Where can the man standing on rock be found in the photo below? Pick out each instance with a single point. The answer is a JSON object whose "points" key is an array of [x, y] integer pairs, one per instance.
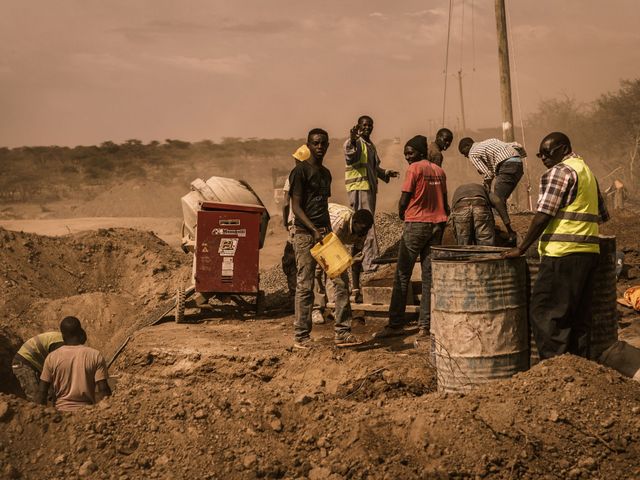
{"points": [[570, 206], [28, 362], [74, 370], [494, 158], [310, 184], [444, 137], [423, 207], [361, 177]]}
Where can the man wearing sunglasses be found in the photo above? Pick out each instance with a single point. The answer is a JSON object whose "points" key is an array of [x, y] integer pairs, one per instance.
{"points": [[570, 206]]}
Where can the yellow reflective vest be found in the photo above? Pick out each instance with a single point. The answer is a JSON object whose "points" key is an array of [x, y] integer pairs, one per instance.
{"points": [[355, 175], [575, 228], [36, 349]]}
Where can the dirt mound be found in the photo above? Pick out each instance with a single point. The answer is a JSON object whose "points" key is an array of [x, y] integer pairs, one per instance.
{"points": [[233, 418], [110, 279], [132, 199]]}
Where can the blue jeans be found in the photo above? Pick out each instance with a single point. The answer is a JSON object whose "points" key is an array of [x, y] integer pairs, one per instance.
{"points": [[417, 239]]}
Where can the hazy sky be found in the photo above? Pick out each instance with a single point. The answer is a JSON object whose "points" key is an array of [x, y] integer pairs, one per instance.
{"points": [[85, 71]]}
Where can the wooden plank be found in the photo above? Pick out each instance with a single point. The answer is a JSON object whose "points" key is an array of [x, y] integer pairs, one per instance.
{"points": [[369, 307]]}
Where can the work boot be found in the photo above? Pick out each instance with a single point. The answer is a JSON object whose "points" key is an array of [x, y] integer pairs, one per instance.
{"points": [[303, 344], [346, 340], [317, 318], [356, 296], [388, 331]]}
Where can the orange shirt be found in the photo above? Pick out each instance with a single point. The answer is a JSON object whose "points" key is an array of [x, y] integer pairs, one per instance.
{"points": [[74, 370], [427, 184]]}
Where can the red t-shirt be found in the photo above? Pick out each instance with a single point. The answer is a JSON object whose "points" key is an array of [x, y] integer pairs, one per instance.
{"points": [[427, 183]]}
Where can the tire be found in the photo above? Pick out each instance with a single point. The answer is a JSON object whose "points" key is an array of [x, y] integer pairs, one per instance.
{"points": [[180, 298], [260, 301]]}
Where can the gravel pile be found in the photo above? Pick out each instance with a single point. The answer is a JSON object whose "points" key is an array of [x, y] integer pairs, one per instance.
{"points": [[389, 231]]}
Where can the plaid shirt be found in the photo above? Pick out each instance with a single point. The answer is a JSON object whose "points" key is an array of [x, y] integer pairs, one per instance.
{"points": [[488, 154], [559, 187]]}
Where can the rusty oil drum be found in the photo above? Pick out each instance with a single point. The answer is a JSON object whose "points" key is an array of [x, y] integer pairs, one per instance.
{"points": [[479, 316]]}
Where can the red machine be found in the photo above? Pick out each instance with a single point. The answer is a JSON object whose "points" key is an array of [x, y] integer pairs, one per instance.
{"points": [[227, 248], [226, 262]]}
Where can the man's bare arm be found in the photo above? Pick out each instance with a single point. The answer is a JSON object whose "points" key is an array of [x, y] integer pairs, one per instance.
{"points": [[405, 198], [302, 216], [104, 390], [43, 390]]}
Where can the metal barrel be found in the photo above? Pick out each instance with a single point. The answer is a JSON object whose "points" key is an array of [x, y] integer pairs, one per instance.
{"points": [[478, 320], [533, 266], [464, 252], [604, 323]]}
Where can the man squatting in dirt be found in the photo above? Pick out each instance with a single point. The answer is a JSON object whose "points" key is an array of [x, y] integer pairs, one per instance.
{"points": [[423, 206], [29, 360], [362, 172], [74, 370], [289, 257], [351, 228], [569, 208], [494, 158], [310, 184]]}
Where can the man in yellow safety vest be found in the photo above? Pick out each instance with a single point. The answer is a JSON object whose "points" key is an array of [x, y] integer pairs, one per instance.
{"points": [[361, 178], [570, 206]]}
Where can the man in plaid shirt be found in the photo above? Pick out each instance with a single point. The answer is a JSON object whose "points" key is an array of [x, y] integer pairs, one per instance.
{"points": [[570, 206], [494, 158]]}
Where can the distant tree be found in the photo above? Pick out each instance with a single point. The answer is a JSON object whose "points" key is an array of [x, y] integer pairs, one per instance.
{"points": [[177, 143], [617, 117], [109, 146]]}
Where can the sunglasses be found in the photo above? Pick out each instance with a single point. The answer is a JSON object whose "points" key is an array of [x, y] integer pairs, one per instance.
{"points": [[549, 154]]}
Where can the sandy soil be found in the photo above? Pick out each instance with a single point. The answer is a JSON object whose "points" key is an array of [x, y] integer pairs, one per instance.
{"points": [[229, 398]]}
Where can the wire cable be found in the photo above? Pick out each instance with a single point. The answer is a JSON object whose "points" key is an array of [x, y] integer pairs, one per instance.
{"points": [[446, 63], [512, 54]]}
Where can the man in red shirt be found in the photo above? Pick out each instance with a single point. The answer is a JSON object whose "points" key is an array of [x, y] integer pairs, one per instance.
{"points": [[423, 207]]}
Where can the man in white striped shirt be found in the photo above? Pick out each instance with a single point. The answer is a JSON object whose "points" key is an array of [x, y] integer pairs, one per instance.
{"points": [[494, 158]]}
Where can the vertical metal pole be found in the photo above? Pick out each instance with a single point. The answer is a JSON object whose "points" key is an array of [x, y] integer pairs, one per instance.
{"points": [[464, 123], [505, 75], [505, 84]]}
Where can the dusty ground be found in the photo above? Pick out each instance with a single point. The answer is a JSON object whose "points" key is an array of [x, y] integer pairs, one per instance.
{"points": [[228, 398]]}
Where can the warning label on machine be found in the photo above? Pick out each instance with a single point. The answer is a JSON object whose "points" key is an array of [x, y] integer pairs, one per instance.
{"points": [[227, 267], [238, 232], [228, 247]]}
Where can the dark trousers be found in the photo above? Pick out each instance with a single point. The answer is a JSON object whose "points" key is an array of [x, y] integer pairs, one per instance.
{"points": [[507, 178], [417, 239], [560, 309], [289, 267]]}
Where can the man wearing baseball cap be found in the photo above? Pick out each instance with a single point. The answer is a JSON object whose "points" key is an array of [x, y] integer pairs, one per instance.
{"points": [[74, 370]]}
